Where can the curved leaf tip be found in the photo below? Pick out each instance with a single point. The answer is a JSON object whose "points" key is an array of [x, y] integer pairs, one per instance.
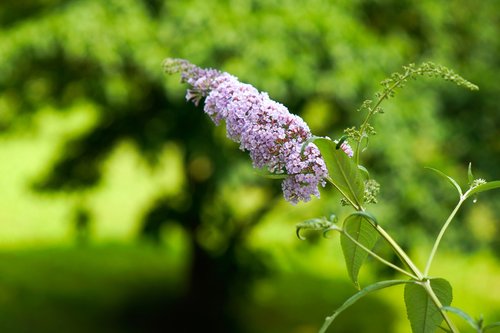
{"points": [[317, 224], [360, 294], [449, 179]]}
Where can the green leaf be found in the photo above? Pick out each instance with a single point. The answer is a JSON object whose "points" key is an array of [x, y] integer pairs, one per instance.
{"points": [[361, 230], [484, 187], [364, 171], [354, 298], [343, 172], [449, 179], [470, 175], [423, 314], [490, 326], [464, 316]]}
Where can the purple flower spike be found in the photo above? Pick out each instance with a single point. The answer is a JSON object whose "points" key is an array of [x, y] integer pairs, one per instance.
{"points": [[272, 135]]}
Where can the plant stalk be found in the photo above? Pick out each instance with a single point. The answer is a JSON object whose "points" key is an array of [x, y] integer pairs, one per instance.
{"points": [[441, 234], [400, 252], [376, 256], [421, 277], [427, 286], [371, 111]]}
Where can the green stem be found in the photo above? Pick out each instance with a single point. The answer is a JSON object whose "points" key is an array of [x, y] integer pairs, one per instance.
{"points": [[353, 204], [385, 95], [441, 234], [427, 286], [416, 272], [376, 256], [400, 252], [421, 277]]}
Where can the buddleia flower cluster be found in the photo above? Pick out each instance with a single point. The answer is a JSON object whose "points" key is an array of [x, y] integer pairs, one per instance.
{"points": [[265, 128]]}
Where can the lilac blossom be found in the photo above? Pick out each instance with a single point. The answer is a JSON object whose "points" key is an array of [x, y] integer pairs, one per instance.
{"points": [[273, 136]]}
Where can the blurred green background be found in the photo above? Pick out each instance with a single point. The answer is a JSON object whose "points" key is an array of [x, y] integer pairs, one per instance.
{"points": [[123, 209]]}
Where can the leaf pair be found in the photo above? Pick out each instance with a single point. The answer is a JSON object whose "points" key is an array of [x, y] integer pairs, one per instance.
{"points": [[424, 299]]}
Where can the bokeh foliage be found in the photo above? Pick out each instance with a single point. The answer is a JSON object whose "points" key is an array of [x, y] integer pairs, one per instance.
{"points": [[320, 58]]}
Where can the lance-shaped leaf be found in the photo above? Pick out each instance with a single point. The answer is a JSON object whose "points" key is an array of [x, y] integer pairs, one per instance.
{"points": [[470, 176], [360, 294], [464, 315], [484, 187], [422, 312], [343, 172], [357, 230], [449, 179]]}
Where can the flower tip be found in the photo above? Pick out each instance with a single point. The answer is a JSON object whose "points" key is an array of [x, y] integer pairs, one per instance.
{"points": [[347, 149]]}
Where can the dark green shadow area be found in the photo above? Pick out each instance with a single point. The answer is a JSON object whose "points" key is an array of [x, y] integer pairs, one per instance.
{"points": [[138, 288], [112, 288]]}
